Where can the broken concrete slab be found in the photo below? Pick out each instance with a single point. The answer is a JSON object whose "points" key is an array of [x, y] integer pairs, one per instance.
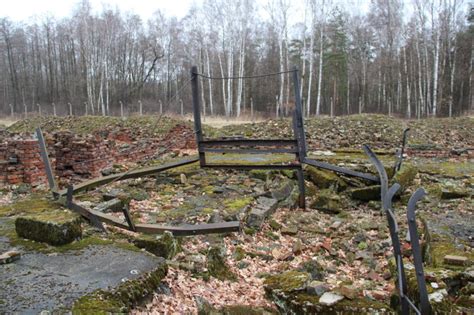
{"points": [[164, 245], [327, 201], [263, 208], [366, 193], [9, 257], [112, 205], [50, 229], [330, 298], [456, 260]]}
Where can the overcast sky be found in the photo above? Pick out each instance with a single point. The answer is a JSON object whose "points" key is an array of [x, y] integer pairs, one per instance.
{"points": [[22, 10]]}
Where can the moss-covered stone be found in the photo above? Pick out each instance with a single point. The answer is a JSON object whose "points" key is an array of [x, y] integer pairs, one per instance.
{"points": [[327, 201], [405, 176], [325, 179], [216, 264], [260, 174], [164, 245], [288, 281], [49, 230], [122, 298], [366, 193]]}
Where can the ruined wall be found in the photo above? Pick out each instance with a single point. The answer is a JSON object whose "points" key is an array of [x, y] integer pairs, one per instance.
{"points": [[84, 156], [29, 169]]}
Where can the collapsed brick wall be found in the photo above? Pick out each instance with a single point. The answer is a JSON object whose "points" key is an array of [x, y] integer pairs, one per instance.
{"points": [[84, 156], [30, 167]]}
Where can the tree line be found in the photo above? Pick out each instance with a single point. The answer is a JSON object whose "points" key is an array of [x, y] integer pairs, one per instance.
{"points": [[411, 58]]}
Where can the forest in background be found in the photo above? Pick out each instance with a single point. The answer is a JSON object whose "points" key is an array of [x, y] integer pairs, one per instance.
{"points": [[409, 58]]}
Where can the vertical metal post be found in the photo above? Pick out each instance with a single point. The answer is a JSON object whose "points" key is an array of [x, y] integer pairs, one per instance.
{"points": [[398, 163], [126, 213], [425, 306], [197, 114], [47, 163], [299, 131]]}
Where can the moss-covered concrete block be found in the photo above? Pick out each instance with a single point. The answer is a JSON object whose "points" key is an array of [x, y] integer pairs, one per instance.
{"points": [[55, 228], [327, 201], [216, 264], [405, 177], [366, 193], [325, 179], [122, 298], [165, 245]]}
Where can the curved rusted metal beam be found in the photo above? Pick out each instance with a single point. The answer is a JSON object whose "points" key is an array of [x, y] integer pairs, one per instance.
{"points": [[425, 306]]}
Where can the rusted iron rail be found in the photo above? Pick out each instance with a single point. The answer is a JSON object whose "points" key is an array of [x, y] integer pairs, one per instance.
{"points": [[146, 171], [386, 196]]}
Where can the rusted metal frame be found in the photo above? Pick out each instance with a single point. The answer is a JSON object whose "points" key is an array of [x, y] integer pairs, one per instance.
{"points": [[298, 117], [183, 230], [298, 132], [386, 198], [126, 175], [398, 163], [249, 151], [186, 230], [249, 142], [82, 211], [342, 170], [255, 166], [197, 114], [425, 307], [128, 218], [47, 164]]}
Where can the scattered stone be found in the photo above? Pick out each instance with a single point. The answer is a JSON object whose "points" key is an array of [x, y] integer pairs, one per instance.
{"points": [[437, 296], [405, 177], [325, 179], [336, 225], [289, 230], [9, 257], [329, 298], [317, 288], [348, 291], [327, 201], [366, 193], [112, 194], [288, 281], [434, 285], [216, 264], [297, 247], [164, 245], [283, 191], [456, 260], [112, 205], [274, 225], [453, 192], [264, 207], [183, 179], [314, 269]]}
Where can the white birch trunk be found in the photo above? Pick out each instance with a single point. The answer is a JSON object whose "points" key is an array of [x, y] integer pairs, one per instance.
{"points": [[435, 74], [211, 104], [321, 56]]}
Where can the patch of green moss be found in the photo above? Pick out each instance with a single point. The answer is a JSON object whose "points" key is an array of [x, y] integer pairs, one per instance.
{"points": [[405, 176], [235, 205], [441, 246], [288, 281], [44, 230], [366, 193], [122, 298], [33, 205]]}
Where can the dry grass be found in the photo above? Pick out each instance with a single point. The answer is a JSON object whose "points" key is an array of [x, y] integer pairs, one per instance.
{"points": [[8, 121], [220, 121]]}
